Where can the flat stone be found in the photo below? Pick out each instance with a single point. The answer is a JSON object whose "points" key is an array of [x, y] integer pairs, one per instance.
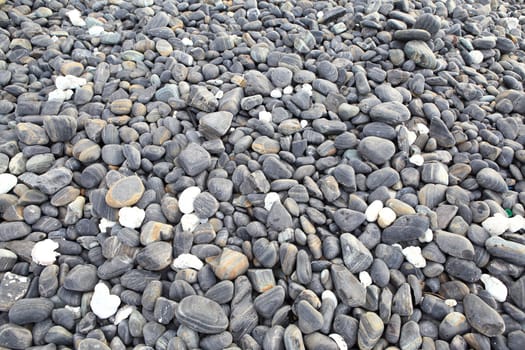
{"points": [[125, 192], [406, 228], [15, 337], [392, 113], [370, 330], [30, 310], [419, 52], [348, 220], [512, 252], [215, 125], [229, 264], [376, 150], [12, 288], [482, 317], [194, 159], [202, 315]]}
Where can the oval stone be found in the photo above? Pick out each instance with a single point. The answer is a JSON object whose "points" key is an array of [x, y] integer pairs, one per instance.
{"points": [[202, 315], [125, 192]]}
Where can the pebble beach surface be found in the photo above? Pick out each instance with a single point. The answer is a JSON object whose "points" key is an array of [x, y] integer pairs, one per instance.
{"points": [[262, 174]]}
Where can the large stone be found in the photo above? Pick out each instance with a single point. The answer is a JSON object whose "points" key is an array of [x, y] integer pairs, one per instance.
{"points": [[202, 315]]}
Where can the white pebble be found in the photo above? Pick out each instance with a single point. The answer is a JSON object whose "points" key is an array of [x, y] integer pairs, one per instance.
{"points": [[103, 304], [422, 128], [476, 56], [7, 182], [219, 94], [96, 31], [414, 256], [189, 222], [412, 136], [417, 159], [187, 42], [131, 217], [76, 18], [69, 82], [265, 116], [427, 237], [60, 95], [270, 199], [186, 199], [365, 279], [187, 261], [495, 287], [451, 302], [516, 223], [105, 224], [339, 340], [43, 252], [329, 295], [123, 313], [372, 212], [276, 93], [288, 90], [304, 123], [386, 217], [496, 225]]}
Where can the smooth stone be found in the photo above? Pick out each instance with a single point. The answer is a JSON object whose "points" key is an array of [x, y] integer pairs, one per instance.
{"points": [[356, 256], [229, 264], [507, 250], [30, 310], [482, 317], [13, 230], [60, 128], [265, 145], [465, 270], [347, 287], [205, 205], [319, 341], [391, 113], [279, 218], [406, 228], [194, 159], [490, 179], [348, 220], [103, 304], [453, 324], [31, 134], [155, 256], [370, 330], [215, 125], [310, 320], [293, 338], [121, 106], [410, 338], [376, 150], [54, 180], [15, 337], [419, 52], [454, 244], [202, 315], [82, 278], [125, 192]]}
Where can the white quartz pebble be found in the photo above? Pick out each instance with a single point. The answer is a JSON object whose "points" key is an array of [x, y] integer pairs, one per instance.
{"points": [[495, 287], [60, 95], [105, 224], [96, 31], [186, 199], [43, 252], [131, 217], [476, 56], [69, 82], [123, 313], [417, 159], [451, 302], [427, 237], [187, 42], [75, 17], [7, 182], [516, 223], [276, 93], [386, 217], [189, 222], [288, 90], [372, 212], [270, 199], [339, 340], [265, 116], [496, 225], [103, 304], [414, 256], [365, 279], [187, 261], [304, 123]]}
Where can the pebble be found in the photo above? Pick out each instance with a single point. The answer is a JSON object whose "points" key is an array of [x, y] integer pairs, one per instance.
{"points": [[482, 317], [201, 314], [229, 264], [125, 192], [43, 252], [187, 198], [7, 182], [370, 330], [356, 256], [131, 217], [495, 287], [103, 304], [194, 159]]}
